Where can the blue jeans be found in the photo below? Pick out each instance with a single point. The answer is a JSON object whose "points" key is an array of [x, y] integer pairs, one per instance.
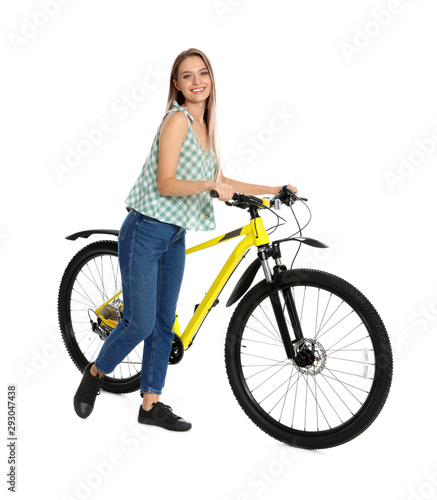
{"points": [[152, 259]]}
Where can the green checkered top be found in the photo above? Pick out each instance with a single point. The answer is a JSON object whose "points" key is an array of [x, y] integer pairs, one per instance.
{"points": [[194, 212]]}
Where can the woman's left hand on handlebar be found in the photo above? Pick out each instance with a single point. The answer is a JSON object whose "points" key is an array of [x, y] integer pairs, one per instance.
{"points": [[290, 187]]}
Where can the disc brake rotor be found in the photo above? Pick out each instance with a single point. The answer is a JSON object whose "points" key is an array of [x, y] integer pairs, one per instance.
{"points": [[314, 351]]}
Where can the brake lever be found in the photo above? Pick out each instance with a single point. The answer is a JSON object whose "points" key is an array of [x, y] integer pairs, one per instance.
{"points": [[285, 191]]}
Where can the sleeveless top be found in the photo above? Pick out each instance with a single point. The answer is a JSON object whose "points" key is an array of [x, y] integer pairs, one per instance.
{"points": [[193, 212]]}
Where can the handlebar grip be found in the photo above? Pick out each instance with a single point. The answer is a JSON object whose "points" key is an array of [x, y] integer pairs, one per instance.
{"points": [[214, 194]]}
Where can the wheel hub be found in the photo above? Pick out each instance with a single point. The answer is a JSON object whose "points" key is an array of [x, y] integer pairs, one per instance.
{"points": [[310, 356]]}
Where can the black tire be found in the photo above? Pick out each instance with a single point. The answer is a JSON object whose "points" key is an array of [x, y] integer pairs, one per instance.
{"points": [[91, 278], [346, 386]]}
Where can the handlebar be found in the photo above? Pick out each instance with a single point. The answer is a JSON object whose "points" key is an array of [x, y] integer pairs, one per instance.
{"points": [[285, 196]]}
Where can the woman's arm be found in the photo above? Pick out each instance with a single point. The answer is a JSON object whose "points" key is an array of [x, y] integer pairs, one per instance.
{"points": [[172, 136], [255, 189]]}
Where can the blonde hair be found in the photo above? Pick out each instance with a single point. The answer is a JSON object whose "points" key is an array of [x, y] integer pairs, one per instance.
{"points": [[210, 116]]}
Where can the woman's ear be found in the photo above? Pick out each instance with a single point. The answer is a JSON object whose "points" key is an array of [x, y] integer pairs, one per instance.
{"points": [[175, 83]]}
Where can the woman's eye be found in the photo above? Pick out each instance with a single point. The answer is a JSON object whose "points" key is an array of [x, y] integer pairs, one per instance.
{"points": [[204, 72], [186, 76]]}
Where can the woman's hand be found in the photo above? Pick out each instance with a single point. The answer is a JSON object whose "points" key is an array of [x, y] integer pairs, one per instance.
{"points": [[225, 191], [290, 187]]}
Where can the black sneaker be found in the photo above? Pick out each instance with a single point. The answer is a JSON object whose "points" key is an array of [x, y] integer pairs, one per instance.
{"points": [[87, 392], [163, 416]]}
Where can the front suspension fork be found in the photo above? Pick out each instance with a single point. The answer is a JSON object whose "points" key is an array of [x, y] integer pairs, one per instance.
{"points": [[273, 288], [282, 322]]}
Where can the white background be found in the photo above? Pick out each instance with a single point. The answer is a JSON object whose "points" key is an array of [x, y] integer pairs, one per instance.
{"points": [[358, 79]]}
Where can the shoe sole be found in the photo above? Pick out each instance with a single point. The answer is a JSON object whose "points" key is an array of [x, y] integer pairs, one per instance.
{"points": [[148, 421]]}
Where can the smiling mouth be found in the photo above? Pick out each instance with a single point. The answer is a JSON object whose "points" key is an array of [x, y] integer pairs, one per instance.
{"points": [[198, 91]]}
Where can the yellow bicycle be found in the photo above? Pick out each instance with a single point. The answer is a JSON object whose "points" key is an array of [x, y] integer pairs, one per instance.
{"points": [[307, 355]]}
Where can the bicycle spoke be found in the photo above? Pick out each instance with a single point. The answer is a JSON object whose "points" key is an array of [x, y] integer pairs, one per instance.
{"points": [[336, 324], [252, 366], [323, 317], [261, 342], [83, 338], [306, 403], [93, 281], [85, 297], [267, 379], [350, 392], [97, 277], [317, 314], [303, 301], [317, 403], [332, 407], [277, 334], [256, 356], [295, 398], [352, 360], [286, 393], [94, 355], [346, 373], [268, 336], [346, 384], [272, 392], [342, 349], [329, 319], [100, 274], [352, 350], [311, 402], [347, 334], [115, 277]]}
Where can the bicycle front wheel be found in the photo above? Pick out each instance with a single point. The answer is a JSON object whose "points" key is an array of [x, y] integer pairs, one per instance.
{"points": [[346, 381]]}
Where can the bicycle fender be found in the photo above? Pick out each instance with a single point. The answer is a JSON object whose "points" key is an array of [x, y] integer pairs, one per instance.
{"points": [[89, 232], [309, 241], [244, 282]]}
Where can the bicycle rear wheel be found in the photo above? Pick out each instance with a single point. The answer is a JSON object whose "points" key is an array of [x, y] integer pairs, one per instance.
{"points": [[91, 278], [340, 392]]}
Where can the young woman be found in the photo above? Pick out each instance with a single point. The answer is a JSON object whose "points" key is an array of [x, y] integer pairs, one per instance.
{"points": [[170, 196]]}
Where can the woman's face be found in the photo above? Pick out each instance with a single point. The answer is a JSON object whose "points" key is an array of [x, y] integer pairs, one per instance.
{"points": [[193, 80]]}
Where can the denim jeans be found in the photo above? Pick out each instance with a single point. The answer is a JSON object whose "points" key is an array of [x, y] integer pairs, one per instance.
{"points": [[152, 259]]}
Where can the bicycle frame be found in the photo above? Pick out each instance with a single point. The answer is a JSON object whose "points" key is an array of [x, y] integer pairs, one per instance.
{"points": [[255, 235]]}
